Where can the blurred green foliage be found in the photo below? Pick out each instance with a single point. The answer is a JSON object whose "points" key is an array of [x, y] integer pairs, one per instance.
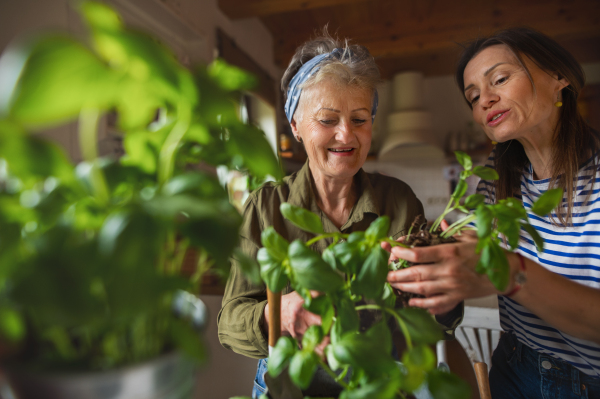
{"points": [[91, 254]]}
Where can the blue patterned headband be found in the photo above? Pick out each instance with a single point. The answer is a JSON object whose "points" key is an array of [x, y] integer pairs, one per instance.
{"points": [[304, 73]]}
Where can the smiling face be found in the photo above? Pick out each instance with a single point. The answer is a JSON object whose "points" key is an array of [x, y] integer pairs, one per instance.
{"points": [[504, 101], [335, 125]]}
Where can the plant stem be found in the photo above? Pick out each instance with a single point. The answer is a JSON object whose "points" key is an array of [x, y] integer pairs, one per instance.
{"points": [[400, 321], [333, 375], [166, 158], [180, 254], [394, 243], [456, 226], [323, 236], [437, 221]]}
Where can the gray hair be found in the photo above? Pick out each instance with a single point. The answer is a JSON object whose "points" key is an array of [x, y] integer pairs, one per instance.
{"points": [[356, 67]]}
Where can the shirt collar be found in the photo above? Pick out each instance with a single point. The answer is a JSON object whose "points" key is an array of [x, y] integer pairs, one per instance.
{"points": [[302, 195]]}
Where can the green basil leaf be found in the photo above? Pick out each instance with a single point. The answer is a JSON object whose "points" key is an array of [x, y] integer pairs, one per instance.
{"points": [[483, 221], [323, 306], [378, 229], [329, 258], [302, 368], [276, 244], [373, 274], [464, 160], [473, 201], [12, 325], [537, 238], [271, 270], [485, 173], [349, 256], [347, 317], [302, 218], [421, 326], [249, 266], [381, 389], [493, 261], [311, 271], [511, 230], [312, 337], [460, 190], [443, 385], [280, 356], [361, 351], [389, 297], [547, 202], [420, 356], [250, 143], [381, 333]]}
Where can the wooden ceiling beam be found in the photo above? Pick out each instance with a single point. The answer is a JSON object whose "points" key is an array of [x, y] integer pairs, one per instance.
{"points": [[237, 9], [412, 29]]}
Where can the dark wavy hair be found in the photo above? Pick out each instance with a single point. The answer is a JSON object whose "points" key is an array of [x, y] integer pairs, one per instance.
{"points": [[574, 139]]}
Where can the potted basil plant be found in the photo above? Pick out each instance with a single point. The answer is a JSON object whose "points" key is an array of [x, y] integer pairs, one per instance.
{"points": [[91, 254], [351, 275]]}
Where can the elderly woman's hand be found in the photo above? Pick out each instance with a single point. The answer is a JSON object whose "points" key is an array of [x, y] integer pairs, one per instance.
{"points": [[295, 319], [445, 274]]}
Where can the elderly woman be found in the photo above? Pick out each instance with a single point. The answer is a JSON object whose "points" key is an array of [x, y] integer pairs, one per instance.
{"points": [[331, 103], [523, 88]]}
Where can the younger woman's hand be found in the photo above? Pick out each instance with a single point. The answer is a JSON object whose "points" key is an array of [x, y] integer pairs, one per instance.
{"points": [[445, 274]]}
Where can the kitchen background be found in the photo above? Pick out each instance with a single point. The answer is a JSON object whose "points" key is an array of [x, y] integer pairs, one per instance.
{"points": [[422, 115]]}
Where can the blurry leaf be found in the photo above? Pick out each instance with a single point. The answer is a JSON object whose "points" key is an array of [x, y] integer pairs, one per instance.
{"points": [[373, 274], [484, 221], [547, 202], [378, 229], [473, 201], [271, 271], [485, 173], [497, 267], [275, 243], [460, 190], [101, 16], [539, 241], [280, 357], [12, 325], [196, 183], [302, 218], [349, 256], [250, 143], [323, 307], [389, 297], [311, 271], [142, 148], [360, 351], [443, 385], [31, 158], [421, 326], [420, 356], [312, 337], [464, 160], [381, 334], [380, 389], [209, 224], [188, 340], [230, 77], [302, 368], [511, 230], [249, 266], [347, 317], [61, 77]]}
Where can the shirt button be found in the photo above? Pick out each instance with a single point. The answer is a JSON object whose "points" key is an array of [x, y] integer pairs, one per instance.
{"points": [[546, 364]]}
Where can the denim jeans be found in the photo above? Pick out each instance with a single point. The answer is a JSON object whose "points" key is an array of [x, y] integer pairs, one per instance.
{"points": [[521, 372], [260, 386]]}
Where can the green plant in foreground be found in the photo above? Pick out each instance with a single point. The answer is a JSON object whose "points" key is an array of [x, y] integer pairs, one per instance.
{"points": [[494, 222], [346, 273], [91, 254], [355, 269]]}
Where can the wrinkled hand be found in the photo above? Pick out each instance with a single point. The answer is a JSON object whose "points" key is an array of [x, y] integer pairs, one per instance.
{"points": [[295, 320], [445, 274]]}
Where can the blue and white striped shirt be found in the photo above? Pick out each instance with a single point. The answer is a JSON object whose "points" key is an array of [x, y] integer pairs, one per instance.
{"points": [[572, 252]]}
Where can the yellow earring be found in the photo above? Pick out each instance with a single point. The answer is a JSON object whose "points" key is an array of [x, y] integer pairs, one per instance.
{"points": [[558, 104]]}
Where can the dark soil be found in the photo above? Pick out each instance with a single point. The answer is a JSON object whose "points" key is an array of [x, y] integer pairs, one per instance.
{"points": [[419, 236]]}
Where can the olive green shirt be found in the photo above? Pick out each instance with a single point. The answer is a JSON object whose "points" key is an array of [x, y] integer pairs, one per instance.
{"points": [[241, 316]]}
